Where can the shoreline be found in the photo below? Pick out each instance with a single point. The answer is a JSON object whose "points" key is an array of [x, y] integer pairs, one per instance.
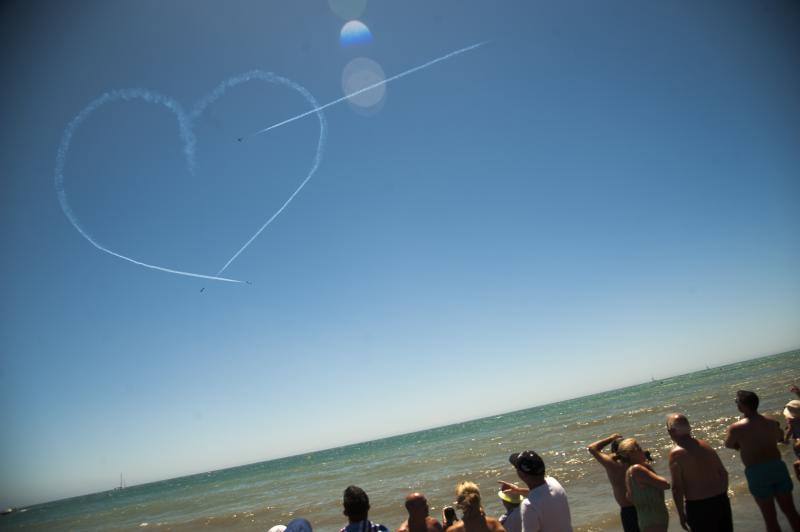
{"points": [[433, 461]]}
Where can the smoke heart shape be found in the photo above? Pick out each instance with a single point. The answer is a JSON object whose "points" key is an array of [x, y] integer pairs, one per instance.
{"points": [[186, 123]]}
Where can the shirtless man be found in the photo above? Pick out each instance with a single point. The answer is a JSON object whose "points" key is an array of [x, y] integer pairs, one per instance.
{"points": [[756, 438], [698, 479], [419, 519], [615, 470]]}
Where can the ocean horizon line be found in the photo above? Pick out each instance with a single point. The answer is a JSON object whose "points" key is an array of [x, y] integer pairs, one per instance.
{"points": [[385, 438]]}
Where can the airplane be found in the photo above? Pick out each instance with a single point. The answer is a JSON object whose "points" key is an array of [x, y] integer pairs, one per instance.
{"points": [[201, 290], [240, 139]]}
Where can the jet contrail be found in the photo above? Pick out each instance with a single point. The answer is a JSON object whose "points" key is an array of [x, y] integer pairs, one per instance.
{"points": [[367, 88]]}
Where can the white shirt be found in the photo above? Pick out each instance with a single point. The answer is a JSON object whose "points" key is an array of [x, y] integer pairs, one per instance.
{"points": [[546, 509]]}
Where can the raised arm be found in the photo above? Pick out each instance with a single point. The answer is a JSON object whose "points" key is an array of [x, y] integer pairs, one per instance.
{"points": [[513, 488], [596, 449]]}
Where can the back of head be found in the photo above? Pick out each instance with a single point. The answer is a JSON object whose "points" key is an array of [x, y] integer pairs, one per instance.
{"points": [[678, 426], [417, 505], [615, 449], [468, 499], [626, 449], [356, 503], [747, 399], [528, 462]]}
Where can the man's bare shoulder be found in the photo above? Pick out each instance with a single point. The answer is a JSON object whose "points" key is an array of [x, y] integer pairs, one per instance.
{"points": [[706, 446], [677, 455], [738, 425], [676, 452]]}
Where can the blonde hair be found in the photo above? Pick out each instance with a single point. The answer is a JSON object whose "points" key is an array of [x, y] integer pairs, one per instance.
{"points": [[468, 498], [626, 448]]}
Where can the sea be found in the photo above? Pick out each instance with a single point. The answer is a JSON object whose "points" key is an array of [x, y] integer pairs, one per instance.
{"points": [[260, 495]]}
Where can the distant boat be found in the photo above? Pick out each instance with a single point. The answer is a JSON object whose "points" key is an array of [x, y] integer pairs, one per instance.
{"points": [[121, 483]]}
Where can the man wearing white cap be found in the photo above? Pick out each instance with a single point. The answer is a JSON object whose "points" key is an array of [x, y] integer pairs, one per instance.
{"points": [[699, 480]]}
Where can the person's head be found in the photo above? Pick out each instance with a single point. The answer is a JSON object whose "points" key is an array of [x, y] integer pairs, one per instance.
{"points": [[509, 500], [630, 452], [468, 499], [615, 449], [356, 504], [529, 466], [678, 427], [747, 402], [417, 506], [792, 410]]}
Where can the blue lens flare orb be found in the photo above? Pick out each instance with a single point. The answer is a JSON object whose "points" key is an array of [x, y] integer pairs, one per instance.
{"points": [[354, 33]]}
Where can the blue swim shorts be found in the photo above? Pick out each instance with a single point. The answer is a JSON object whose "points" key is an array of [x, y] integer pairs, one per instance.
{"points": [[768, 479]]}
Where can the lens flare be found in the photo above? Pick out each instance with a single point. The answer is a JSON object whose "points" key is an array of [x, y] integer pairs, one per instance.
{"points": [[359, 73], [354, 33]]}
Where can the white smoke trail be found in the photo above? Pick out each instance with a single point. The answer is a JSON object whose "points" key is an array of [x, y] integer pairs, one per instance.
{"points": [[370, 87], [188, 140], [185, 126]]}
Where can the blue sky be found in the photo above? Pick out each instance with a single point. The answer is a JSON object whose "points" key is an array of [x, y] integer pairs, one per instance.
{"points": [[600, 194]]}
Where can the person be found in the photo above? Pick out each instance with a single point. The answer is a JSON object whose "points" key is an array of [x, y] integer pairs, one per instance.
{"points": [[792, 415], [699, 480], [756, 438], [545, 507], [419, 519], [356, 508], [473, 518], [511, 519], [615, 471], [644, 488], [449, 517]]}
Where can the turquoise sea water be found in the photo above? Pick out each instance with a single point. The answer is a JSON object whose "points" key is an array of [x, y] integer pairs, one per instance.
{"points": [[257, 496]]}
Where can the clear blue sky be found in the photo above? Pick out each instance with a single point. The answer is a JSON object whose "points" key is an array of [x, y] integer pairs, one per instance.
{"points": [[604, 192]]}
